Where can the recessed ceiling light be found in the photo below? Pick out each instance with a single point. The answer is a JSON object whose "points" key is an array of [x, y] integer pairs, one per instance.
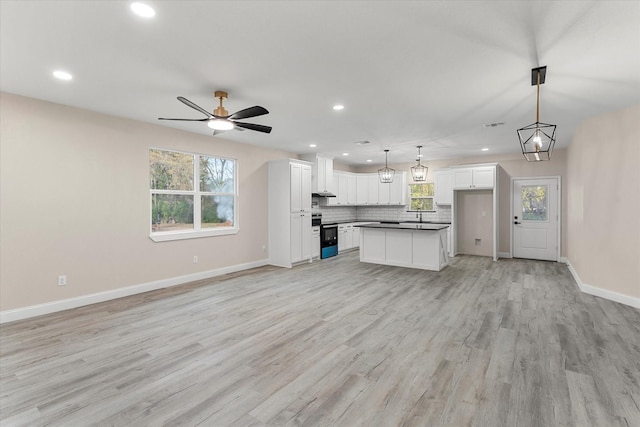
{"points": [[345, 154], [312, 145], [369, 160], [338, 107], [143, 10], [485, 149], [62, 75]]}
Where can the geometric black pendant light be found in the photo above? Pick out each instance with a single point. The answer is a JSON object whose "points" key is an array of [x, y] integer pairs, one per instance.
{"points": [[537, 139], [386, 173], [419, 172]]}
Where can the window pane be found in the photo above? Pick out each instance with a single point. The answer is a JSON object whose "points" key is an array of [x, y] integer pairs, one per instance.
{"points": [[422, 204], [216, 175], [170, 170], [171, 212], [422, 190], [534, 202], [217, 211]]}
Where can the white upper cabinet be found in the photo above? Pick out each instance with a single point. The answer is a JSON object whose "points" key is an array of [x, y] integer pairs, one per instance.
{"points": [[300, 185], [362, 189], [365, 189], [473, 177], [397, 189], [443, 187], [322, 176]]}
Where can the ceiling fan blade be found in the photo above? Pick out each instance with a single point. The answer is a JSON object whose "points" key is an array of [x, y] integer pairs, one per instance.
{"points": [[185, 120], [194, 106], [253, 126], [248, 113]]}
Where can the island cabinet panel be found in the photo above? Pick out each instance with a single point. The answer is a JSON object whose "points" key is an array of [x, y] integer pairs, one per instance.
{"points": [[398, 249], [373, 246], [426, 250], [404, 246]]}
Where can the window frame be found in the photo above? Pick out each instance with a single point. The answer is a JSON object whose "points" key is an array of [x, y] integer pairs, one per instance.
{"points": [[196, 193], [432, 197]]}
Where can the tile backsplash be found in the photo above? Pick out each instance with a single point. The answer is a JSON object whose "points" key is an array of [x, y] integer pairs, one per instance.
{"points": [[378, 213]]}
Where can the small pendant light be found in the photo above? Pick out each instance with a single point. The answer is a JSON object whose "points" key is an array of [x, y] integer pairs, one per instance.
{"points": [[537, 139], [418, 171], [386, 173]]}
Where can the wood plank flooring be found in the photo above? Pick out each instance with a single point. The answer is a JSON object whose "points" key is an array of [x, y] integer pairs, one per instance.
{"points": [[334, 343]]}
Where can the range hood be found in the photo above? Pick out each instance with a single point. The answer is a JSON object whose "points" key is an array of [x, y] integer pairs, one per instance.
{"points": [[323, 194]]}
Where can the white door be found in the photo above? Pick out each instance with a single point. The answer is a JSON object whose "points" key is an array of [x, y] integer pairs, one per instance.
{"points": [[535, 218]]}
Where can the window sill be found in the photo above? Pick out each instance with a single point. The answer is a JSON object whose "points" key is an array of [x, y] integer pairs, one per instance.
{"points": [[182, 235]]}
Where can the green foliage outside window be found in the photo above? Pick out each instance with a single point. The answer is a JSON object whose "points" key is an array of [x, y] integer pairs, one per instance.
{"points": [[176, 205], [421, 196]]}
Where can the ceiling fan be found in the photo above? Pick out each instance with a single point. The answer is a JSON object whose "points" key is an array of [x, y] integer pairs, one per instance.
{"points": [[220, 120]]}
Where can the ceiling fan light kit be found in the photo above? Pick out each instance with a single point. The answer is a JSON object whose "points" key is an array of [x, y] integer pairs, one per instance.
{"points": [[419, 172], [386, 173], [220, 120], [537, 139]]}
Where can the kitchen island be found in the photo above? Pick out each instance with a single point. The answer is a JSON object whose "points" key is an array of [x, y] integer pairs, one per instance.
{"points": [[410, 245]]}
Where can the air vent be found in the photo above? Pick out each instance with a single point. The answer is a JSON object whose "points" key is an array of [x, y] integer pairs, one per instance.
{"points": [[362, 142], [493, 125]]}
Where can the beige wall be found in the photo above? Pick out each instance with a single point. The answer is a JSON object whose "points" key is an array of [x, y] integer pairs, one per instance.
{"points": [[604, 202], [75, 202], [474, 221], [512, 166]]}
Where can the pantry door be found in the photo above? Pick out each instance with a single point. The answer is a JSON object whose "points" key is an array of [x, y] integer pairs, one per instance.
{"points": [[535, 221]]}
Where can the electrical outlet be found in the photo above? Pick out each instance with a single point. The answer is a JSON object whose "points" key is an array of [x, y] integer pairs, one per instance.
{"points": [[478, 242], [62, 280], [195, 259], [264, 248]]}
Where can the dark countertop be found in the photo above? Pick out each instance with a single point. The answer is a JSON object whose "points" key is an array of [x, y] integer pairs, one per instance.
{"points": [[386, 222], [407, 226]]}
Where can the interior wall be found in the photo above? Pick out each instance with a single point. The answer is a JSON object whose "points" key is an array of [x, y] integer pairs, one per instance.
{"points": [[511, 166], [474, 220], [75, 202], [604, 202]]}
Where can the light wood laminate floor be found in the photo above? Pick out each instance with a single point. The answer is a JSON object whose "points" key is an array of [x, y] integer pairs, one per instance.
{"points": [[334, 343]]}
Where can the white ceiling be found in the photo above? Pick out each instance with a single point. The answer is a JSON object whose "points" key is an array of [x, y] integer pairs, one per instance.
{"points": [[408, 73]]}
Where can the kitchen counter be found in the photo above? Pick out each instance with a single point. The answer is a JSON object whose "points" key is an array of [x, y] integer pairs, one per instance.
{"points": [[407, 226], [422, 246]]}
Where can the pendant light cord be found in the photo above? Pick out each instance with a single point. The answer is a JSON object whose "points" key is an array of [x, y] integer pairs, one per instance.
{"points": [[538, 100]]}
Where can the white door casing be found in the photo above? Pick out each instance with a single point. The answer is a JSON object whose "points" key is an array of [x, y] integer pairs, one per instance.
{"points": [[535, 219]]}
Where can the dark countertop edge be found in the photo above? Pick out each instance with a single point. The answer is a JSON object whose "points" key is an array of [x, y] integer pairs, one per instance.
{"points": [[375, 221], [420, 227]]}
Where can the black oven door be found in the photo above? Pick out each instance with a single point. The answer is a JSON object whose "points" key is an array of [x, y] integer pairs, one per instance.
{"points": [[328, 241]]}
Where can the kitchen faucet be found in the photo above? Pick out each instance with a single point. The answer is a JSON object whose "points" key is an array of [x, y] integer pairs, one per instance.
{"points": [[419, 214]]}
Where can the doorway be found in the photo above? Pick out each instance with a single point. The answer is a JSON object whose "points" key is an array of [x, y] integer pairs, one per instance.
{"points": [[535, 207]]}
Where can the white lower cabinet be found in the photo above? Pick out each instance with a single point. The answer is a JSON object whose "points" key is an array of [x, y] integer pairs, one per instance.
{"points": [[345, 237], [300, 237], [315, 242]]}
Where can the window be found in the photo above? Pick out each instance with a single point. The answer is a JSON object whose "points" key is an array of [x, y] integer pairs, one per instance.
{"points": [[534, 202], [192, 195], [421, 197]]}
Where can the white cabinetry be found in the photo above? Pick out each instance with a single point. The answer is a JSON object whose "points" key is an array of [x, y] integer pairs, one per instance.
{"points": [[474, 178], [365, 189], [322, 176], [443, 187], [315, 242], [344, 187], [300, 237], [289, 212], [362, 189], [345, 237]]}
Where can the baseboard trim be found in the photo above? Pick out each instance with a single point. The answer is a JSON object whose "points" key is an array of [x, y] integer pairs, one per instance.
{"points": [[599, 292], [66, 304], [505, 255]]}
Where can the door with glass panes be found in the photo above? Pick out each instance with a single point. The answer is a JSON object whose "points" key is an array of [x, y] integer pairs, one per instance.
{"points": [[535, 218]]}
